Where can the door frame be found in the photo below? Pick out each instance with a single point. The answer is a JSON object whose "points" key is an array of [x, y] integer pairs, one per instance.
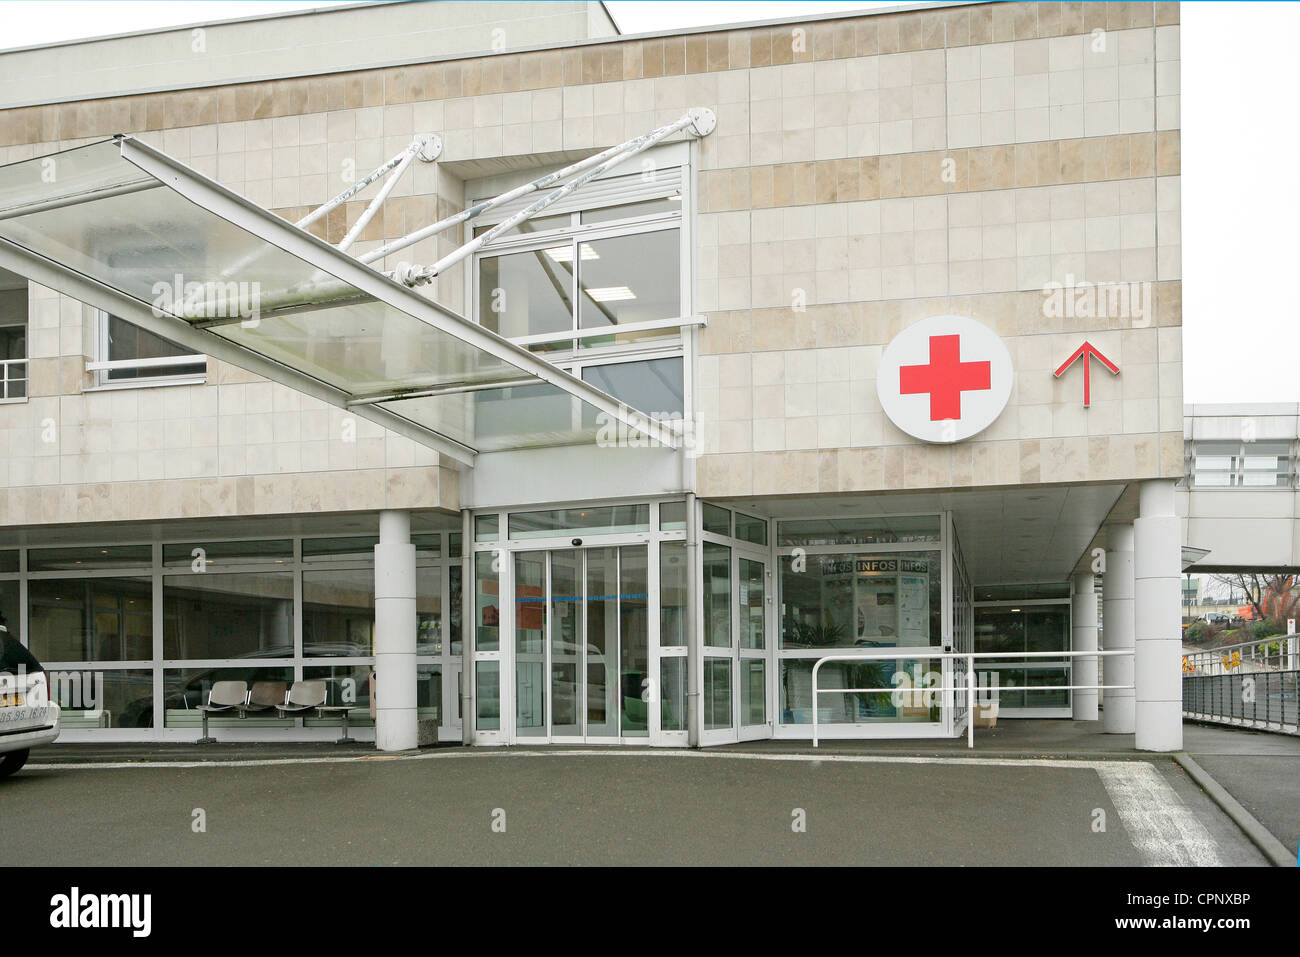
{"points": [[739, 551], [506, 551]]}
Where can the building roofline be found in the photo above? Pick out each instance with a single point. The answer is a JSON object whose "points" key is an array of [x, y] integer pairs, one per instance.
{"points": [[451, 57], [153, 31]]}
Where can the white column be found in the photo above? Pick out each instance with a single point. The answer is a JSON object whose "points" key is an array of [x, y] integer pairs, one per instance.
{"points": [[1083, 637], [1117, 629], [1157, 619], [395, 634]]}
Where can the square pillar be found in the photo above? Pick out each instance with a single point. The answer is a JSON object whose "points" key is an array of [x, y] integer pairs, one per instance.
{"points": [[1083, 637], [1117, 629], [1157, 619], [395, 634]]}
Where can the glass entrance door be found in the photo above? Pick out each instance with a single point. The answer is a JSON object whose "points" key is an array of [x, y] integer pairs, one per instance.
{"points": [[582, 644], [752, 661]]}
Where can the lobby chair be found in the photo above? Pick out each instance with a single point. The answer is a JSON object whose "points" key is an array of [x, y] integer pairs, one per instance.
{"points": [[310, 696], [264, 696], [303, 696], [222, 696]]}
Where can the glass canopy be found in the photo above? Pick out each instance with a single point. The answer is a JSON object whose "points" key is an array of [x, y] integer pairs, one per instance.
{"points": [[129, 229]]}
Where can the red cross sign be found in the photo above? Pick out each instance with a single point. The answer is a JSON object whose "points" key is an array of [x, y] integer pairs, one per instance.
{"points": [[944, 379]]}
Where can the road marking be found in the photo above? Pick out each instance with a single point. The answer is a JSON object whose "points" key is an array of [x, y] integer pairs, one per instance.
{"points": [[1161, 827], [1159, 824]]}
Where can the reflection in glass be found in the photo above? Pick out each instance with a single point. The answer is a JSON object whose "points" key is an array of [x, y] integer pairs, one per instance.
{"points": [[880, 529], [717, 693], [717, 595], [634, 638], [753, 691], [654, 387], [628, 279], [672, 594], [672, 690], [344, 684], [528, 294], [530, 643], [428, 610], [566, 641], [338, 612], [597, 520], [602, 641], [752, 605], [487, 606], [903, 705], [487, 686], [91, 619], [867, 600], [184, 690], [103, 698]]}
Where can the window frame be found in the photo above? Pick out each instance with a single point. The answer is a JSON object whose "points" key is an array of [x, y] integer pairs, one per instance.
{"points": [[1236, 471], [101, 365], [678, 156]]}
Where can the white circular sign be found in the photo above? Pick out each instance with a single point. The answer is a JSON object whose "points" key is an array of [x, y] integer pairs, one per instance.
{"points": [[944, 379]]}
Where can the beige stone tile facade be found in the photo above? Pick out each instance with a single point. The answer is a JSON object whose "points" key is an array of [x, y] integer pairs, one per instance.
{"points": [[865, 173]]}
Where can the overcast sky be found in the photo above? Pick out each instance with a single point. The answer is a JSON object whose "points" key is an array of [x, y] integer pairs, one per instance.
{"points": [[1240, 141]]}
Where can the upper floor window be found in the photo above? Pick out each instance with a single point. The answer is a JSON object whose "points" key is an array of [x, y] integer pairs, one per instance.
{"points": [[1241, 464], [13, 337], [600, 286], [127, 355]]}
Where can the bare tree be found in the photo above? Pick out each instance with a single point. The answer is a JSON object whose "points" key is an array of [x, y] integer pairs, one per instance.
{"points": [[1273, 595]]}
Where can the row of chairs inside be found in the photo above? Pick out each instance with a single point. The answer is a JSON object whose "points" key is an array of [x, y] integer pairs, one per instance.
{"points": [[264, 695]]}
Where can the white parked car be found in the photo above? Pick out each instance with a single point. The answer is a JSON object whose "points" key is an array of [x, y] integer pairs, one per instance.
{"points": [[28, 718]]}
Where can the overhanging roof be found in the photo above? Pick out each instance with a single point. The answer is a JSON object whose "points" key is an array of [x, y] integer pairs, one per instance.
{"points": [[123, 227]]}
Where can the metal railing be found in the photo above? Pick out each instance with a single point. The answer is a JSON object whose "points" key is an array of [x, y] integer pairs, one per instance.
{"points": [[1252, 684], [968, 690]]}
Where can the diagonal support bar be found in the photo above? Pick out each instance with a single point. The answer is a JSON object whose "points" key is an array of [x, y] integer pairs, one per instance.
{"points": [[702, 122]]}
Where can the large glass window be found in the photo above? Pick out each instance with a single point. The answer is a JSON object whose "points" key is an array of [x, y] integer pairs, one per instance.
{"points": [[862, 600], [901, 705], [338, 612], [629, 279], [654, 386], [103, 697], [91, 619], [209, 616], [1241, 464], [528, 294], [186, 688], [586, 288]]}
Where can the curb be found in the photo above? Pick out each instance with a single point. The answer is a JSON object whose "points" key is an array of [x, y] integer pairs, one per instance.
{"points": [[1260, 836]]}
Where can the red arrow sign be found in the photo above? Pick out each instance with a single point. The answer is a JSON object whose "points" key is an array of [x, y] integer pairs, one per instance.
{"points": [[1089, 352]]}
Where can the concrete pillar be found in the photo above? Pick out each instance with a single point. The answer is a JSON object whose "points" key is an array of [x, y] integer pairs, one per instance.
{"points": [[1157, 619], [395, 634], [1117, 629], [1083, 637]]}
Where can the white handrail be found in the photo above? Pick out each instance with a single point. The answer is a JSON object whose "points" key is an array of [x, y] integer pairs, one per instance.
{"points": [[969, 657]]}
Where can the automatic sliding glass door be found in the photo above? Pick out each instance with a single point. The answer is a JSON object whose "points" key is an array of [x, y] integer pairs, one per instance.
{"points": [[582, 643]]}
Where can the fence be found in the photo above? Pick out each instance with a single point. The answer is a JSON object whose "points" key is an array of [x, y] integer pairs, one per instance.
{"points": [[1248, 685]]}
